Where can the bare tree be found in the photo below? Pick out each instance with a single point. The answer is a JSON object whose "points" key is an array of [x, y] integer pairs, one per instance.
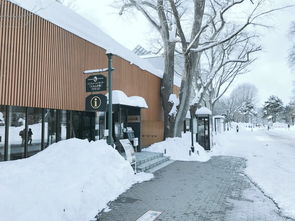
{"points": [[292, 50], [168, 19], [230, 60], [242, 97]]}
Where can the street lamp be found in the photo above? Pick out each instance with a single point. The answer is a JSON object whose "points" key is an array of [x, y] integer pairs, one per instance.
{"points": [[110, 107]]}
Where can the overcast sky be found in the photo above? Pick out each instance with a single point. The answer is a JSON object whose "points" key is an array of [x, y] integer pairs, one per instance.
{"points": [[270, 73]]}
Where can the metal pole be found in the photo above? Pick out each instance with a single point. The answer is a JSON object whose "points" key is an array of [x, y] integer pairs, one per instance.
{"points": [[192, 133], [110, 110]]}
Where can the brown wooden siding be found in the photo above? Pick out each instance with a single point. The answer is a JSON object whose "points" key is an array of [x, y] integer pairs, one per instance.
{"points": [[41, 65]]}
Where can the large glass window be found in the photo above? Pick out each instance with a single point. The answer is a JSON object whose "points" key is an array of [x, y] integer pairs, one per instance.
{"points": [[34, 139], [84, 125], [50, 127], [102, 124], [17, 133], [2, 131], [64, 126]]}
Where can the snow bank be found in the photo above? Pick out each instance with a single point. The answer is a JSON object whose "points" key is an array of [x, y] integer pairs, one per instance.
{"points": [[178, 149], [119, 97], [70, 180], [270, 160]]}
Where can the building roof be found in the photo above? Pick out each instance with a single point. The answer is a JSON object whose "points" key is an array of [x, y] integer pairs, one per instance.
{"points": [[158, 62], [58, 14], [203, 111]]}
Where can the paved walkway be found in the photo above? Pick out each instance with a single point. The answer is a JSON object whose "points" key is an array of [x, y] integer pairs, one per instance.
{"points": [[194, 191]]}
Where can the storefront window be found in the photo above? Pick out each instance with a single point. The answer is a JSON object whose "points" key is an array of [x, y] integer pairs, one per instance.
{"points": [[63, 125], [50, 127], [17, 133], [84, 125], [102, 124], [2, 131], [34, 119]]}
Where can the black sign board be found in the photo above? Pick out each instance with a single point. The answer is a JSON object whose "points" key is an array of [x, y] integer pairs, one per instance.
{"points": [[96, 83], [96, 102]]}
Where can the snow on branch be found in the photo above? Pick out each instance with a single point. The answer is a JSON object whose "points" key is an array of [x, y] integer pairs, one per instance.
{"points": [[174, 100]]}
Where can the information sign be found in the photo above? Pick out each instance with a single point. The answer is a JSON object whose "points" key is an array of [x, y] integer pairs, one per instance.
{"points": [[96, 102], [96, 83]]}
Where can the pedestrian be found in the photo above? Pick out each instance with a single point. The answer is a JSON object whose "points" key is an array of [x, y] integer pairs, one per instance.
{"points": [[237, 128], [30, 133], [22, 135]]}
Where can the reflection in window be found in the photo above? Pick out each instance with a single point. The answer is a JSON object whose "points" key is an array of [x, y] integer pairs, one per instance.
{"points": [[34, 130], [2, 131], [63, 125], [50, 127], [17, 133]]}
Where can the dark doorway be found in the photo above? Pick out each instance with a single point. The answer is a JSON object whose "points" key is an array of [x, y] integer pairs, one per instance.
{"points": [[84, 125], [203, 133]]}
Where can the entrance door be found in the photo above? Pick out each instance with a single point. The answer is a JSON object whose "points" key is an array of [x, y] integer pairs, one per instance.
{"points": [[203, 132], [84, 125]]}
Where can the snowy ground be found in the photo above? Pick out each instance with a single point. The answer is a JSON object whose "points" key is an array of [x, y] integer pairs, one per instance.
{"points": [[270, 160], [179, 149], [70, 180]]}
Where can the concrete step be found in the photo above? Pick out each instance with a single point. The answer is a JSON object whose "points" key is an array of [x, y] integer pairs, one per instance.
{"points": [[148, 165], [143, 157]]}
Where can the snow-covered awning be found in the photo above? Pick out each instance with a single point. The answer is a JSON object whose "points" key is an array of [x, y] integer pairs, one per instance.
{"points": [[119, 97], [219, 116], [188, 115], [203, 111]]}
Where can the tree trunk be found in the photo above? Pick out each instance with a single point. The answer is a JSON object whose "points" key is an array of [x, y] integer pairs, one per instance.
{"points": [[167, 89], [191, 61]]}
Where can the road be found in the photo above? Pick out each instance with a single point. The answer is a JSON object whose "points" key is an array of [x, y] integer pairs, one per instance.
{"points": [[282, 139], [195, 191]]}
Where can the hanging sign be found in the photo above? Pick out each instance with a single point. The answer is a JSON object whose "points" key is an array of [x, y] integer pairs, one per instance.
{"points": [[96, 83], [96, 102]]}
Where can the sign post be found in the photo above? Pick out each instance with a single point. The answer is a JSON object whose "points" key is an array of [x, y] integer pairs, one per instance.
{"points": [[97, 102], [110, 109]]}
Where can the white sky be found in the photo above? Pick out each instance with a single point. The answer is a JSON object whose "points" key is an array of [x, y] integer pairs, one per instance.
{"points": [[270, 73]]}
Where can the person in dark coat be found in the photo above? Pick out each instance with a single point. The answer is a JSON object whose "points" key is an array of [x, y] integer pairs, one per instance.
{"points": [[22, 134], [30, 133], [237, 128]]}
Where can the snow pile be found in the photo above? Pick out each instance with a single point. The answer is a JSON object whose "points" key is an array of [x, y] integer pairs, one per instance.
{"points": [[70, 180], [270, 160], [119, 97], [279, 125], [178, 149]]}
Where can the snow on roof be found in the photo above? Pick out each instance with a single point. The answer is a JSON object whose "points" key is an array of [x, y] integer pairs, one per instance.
{"points": [[119, 97], [67, 19], [188, 115], [158, 62], [219, 116], [203, 111]]}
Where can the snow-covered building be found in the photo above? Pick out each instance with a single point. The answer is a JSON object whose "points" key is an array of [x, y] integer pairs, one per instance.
{"points": [[45, 48], [219, 123]]}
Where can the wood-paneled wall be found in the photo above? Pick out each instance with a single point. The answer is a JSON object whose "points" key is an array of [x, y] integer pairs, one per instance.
{"points": [[41, 65]]}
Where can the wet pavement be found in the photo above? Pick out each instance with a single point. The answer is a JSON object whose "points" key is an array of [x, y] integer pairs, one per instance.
{"points": [[195, 191]]}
